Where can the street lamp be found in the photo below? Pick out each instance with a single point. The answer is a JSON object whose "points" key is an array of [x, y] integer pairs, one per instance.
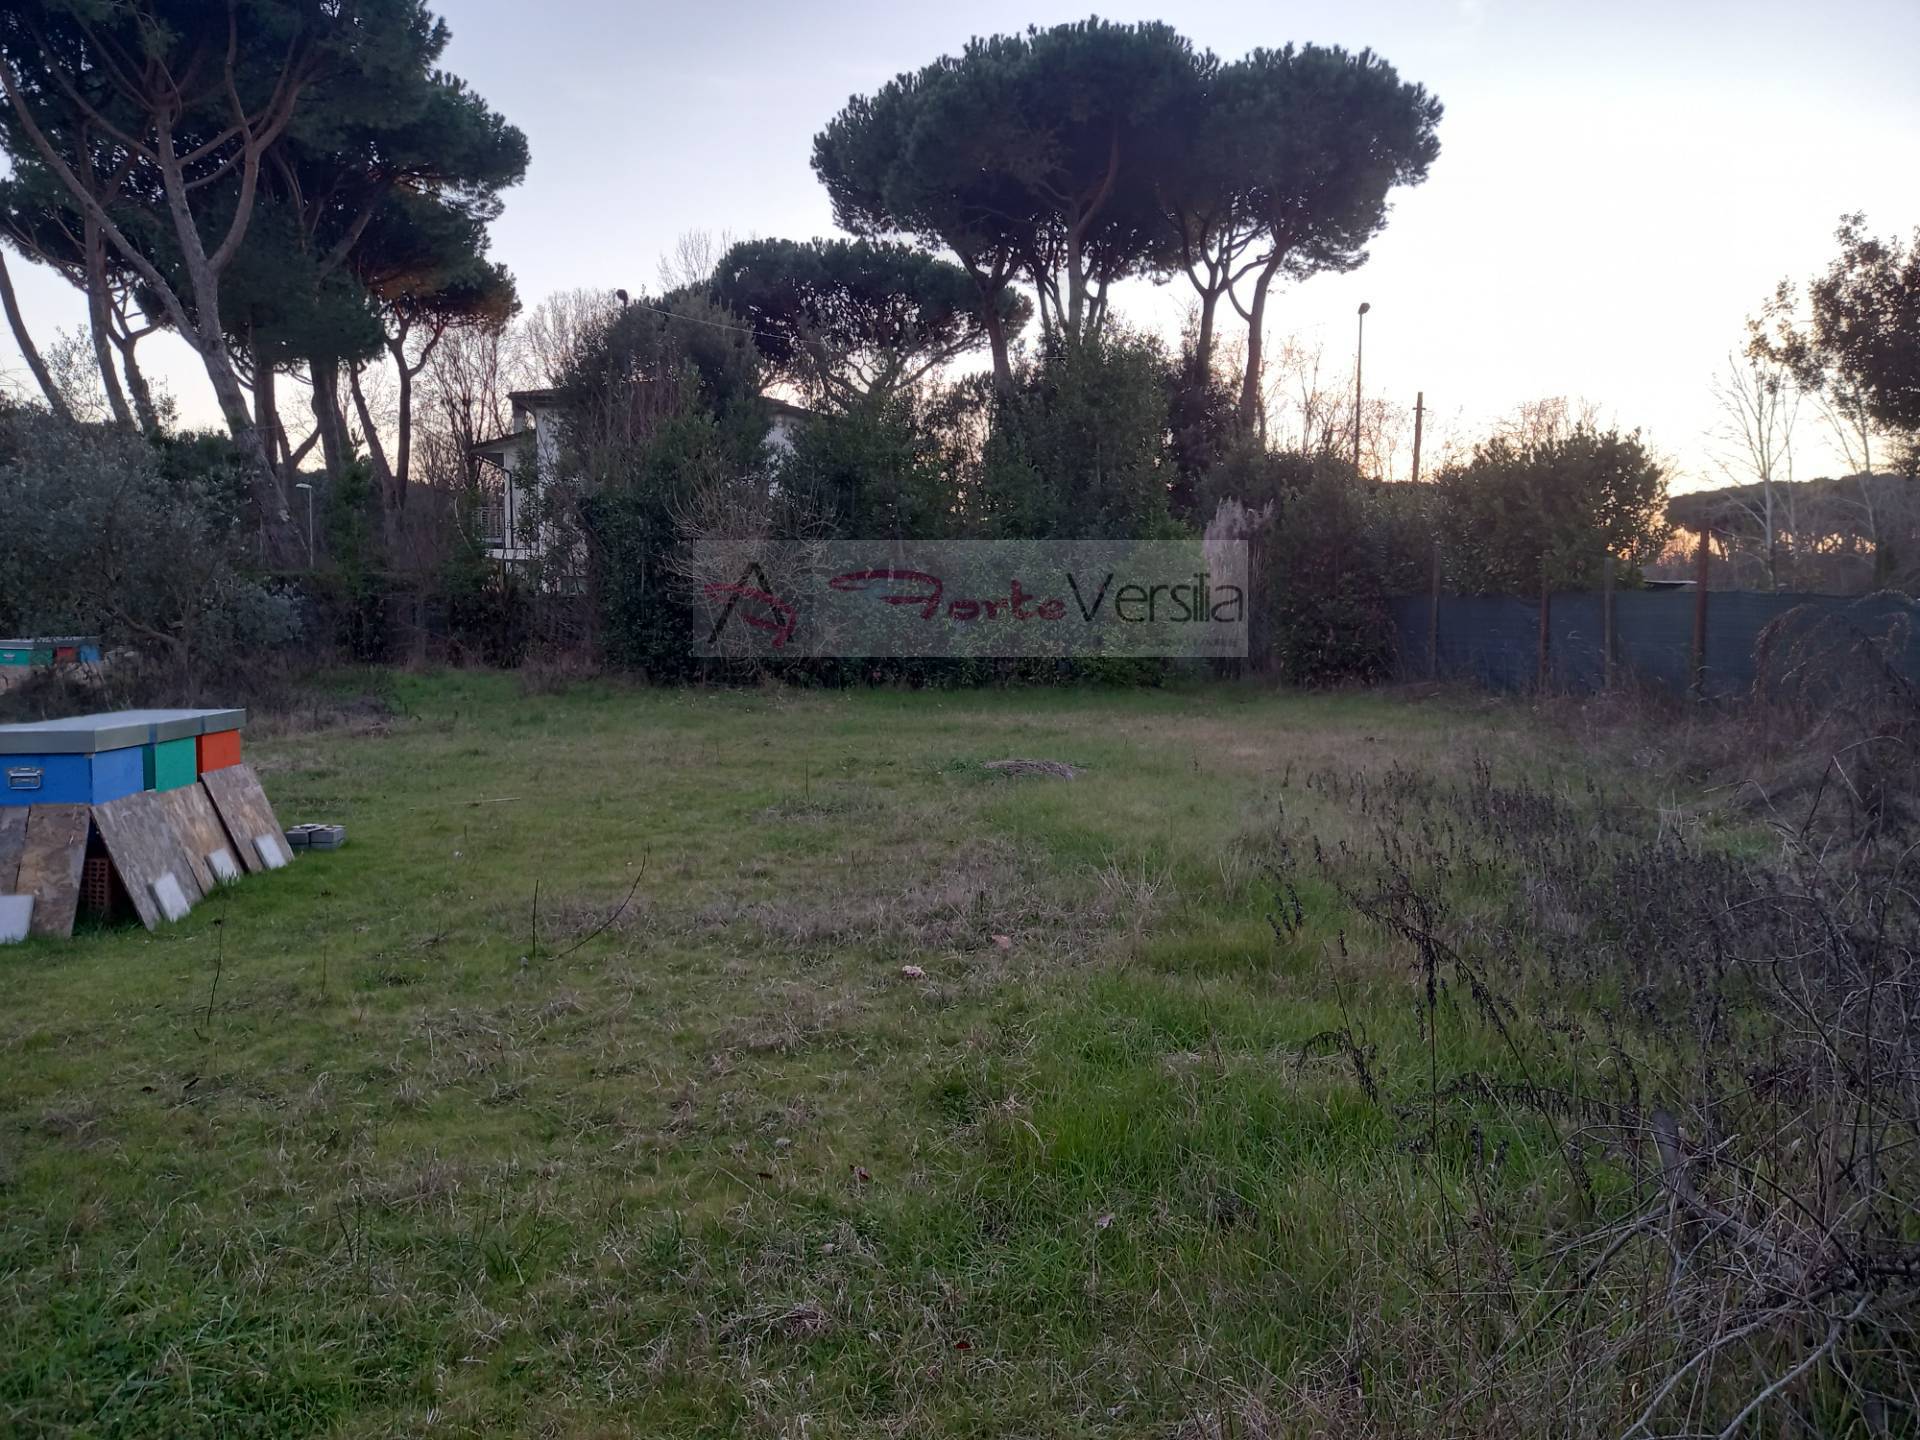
{"points": [[303, 485], [1359, 348]]}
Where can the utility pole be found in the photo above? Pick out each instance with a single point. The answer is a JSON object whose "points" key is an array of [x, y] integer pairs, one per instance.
{"points": [[1698, 689], [1359, 349], [1419, 414]]}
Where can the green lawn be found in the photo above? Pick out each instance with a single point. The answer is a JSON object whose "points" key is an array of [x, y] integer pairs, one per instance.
{"points": [[452, 1147]]}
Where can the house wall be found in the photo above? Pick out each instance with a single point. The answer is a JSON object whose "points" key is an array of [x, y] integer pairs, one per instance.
{"points": [[538, 425], [780, 434]]}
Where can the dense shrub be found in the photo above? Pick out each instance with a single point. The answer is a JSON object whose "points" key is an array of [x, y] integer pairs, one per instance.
{"points": [[663, 408], [1522, 514], [1315, 560], [874, 470], [355, 588], [1328, 606], [139, 541], [488, 608], [1081, 449]]}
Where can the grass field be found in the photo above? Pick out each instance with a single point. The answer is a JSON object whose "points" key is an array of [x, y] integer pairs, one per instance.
{"points": [[431, 1135]]}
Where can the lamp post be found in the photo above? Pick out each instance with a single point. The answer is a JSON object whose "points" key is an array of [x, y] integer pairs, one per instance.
{"points": [[1359, 349], [304, 485]]}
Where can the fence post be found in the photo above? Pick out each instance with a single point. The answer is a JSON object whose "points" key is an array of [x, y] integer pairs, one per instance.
{"points": [[1433, 618], [1606, 621], [1699, 686], [1546, 631]]}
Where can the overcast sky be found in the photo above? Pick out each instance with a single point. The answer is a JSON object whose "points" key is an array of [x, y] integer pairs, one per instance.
{"points": [[1619, 184]]}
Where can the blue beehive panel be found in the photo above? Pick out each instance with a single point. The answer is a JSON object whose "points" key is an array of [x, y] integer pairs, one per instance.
{"points": [[66, 778]]}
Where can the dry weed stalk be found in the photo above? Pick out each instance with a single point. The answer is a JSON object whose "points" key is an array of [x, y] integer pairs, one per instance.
{"points": [[1717, 1054]]}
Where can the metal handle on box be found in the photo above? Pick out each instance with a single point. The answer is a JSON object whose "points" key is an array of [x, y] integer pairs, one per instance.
{"points": [[25, 777]]}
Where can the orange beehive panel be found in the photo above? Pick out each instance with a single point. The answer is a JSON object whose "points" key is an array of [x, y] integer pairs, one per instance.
{"points": [[218, 750]]}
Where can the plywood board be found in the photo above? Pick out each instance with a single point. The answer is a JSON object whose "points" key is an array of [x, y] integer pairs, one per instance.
{"points": [[244, 810], [145, 850], [13, 837], [200, 832], [50, 861]]}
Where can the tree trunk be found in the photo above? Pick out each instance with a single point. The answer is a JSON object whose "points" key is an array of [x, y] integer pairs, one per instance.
{"points": [[143, 407], [96, 261], [1203, 342], [1071, 322], [382, 470], [997, 342], [56, 402], [403, 441], [1256, 323], [1075, 322], [251, 441], [334, 450], [988, 285], [201, 328], [266, 401]]}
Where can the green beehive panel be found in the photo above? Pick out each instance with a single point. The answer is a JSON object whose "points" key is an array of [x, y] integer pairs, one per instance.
{"points": [[16, 655], [170, 764]]}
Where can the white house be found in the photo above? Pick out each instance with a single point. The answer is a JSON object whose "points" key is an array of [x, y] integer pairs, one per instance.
{"points": [[537, 417]]}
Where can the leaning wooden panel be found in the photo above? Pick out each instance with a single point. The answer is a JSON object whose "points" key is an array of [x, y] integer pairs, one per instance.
{"points": [[243, 810], [50, 864], [147, 852], [13, 837], [199, 829]]}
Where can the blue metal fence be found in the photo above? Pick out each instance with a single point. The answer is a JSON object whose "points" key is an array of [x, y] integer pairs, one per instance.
{"points": [[1495, 639]]}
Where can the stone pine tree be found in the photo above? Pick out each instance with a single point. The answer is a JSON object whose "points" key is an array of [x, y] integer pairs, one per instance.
{"points": [[1025, 157], [1313, 141], [397, 194], [1076, 156], [424, 265], [173, 126], [855, 321], [39, 220], [174, 106], [922, 158]]}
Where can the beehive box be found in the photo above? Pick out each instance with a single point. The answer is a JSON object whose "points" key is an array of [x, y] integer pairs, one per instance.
{"points": [[217, 751], [218, 745], [91, 759], [84, 760], [55, 650], [169, 764], [167, 759]]}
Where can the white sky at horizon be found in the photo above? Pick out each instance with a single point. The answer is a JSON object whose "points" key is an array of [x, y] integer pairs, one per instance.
{"points": [[1619, 186]]}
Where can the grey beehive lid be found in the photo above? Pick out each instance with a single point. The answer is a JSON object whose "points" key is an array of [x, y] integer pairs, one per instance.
{"points": [[76, 735], [162, 724], [113, 730]]}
